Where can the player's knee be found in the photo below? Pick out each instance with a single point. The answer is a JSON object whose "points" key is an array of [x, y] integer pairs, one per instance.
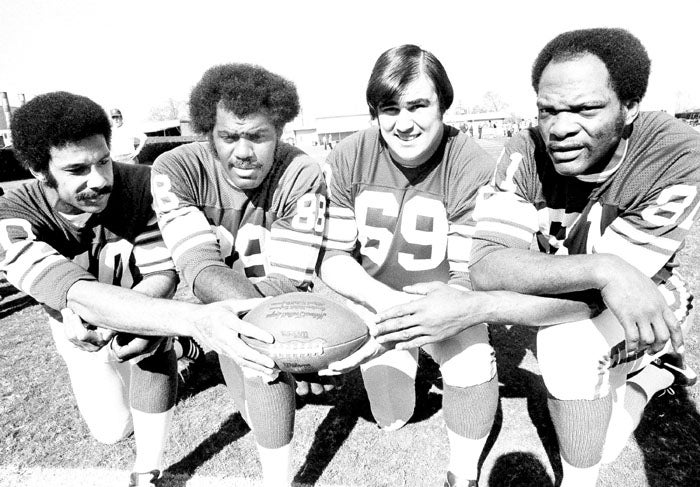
{"points": [[574, 361], [111, 430], [473, 366]]}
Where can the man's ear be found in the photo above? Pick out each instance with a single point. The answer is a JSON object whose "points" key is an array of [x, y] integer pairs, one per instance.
{"points": [[631, 111], [38, 175]]}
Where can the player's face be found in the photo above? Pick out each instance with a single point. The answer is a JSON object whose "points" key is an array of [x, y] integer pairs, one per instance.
{"points": [[81, 174], [412, 125], [245, 147], [581, 119]]}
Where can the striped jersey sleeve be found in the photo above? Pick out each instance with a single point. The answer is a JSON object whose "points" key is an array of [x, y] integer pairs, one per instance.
{"points": [[29, 261], [648, 234], [341, 229], [186, 231], [504, 214], [296, 234], [473, 168], [150, 252]]}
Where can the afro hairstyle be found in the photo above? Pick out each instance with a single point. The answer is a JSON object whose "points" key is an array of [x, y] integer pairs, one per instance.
{"points": [[622, 53], [243, 89], [54, 120]]}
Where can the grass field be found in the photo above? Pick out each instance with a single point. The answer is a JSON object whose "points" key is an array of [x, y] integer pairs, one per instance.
{"points": [[43, 441]]}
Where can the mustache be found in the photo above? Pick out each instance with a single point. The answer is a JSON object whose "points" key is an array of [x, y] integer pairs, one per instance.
{"points": [[92, 194], [245, 164]]}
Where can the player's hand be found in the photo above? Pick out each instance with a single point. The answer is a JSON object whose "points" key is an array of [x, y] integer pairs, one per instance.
{"points": [[83, 335], [126, 346], [370, 350], [219, 327], [443, 313], [314, 384], [641, 309]]}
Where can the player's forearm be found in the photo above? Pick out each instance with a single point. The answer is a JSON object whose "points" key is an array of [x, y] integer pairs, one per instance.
{"points": [[347, 277], [126, 310], [510, 308], [216, 283], [161, 285], [535, 273]]}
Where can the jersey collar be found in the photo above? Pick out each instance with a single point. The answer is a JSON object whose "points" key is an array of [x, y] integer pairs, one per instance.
{"points": [[616, 161]]}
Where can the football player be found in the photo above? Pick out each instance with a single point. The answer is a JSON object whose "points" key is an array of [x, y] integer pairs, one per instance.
{"points": [[404, 193], [243, 215], [82, 239], [608, 193]]}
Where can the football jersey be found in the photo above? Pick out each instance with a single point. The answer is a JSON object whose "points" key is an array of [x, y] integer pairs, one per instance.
{"points": [[410, 224], [275, 229], [640, 209], [44, 252]]}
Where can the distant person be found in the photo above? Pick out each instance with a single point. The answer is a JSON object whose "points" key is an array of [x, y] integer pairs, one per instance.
{"points": [[126, 142], [481, 129]]}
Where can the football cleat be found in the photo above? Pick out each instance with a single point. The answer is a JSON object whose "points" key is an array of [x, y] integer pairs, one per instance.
{"points": [[683, 375], [147, 479], [453, 481]]}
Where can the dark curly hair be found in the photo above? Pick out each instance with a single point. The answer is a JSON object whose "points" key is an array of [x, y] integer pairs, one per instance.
{"points": [[399, 66], [622, 53], [244, 89], [54, 120]]}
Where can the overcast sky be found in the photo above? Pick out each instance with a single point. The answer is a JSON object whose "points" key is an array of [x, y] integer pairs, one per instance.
{"points": [[137, 54]]}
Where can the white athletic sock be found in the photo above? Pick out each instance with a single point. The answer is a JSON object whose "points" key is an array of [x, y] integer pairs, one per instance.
{"points": [[578, 477], [651, 380], [150, 434], [619, 431], [276, 466], [464, 455]]}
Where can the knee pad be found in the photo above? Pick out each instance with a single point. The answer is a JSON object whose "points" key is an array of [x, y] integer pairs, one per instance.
{"points": [[467, 359], [475, 365], [575, 358], [111, 430]]}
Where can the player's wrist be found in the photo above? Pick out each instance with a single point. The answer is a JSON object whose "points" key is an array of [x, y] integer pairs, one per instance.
{"points": [[491, 305], [604, 269]]}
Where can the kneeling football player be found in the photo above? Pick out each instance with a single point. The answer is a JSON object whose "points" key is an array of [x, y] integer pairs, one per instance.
{"points": [[609, 194], [83, 240], [404, 193], [243, 215]]}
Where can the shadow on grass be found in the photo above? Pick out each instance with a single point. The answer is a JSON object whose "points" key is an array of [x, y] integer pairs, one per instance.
{"points": [[518, 469], [511, 346], [12, 299], [231, 430], [669, 434], [669, 437], [349, 403]]}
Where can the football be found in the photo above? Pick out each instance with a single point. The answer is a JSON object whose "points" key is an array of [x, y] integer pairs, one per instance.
{"points": [[310, 331]]}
